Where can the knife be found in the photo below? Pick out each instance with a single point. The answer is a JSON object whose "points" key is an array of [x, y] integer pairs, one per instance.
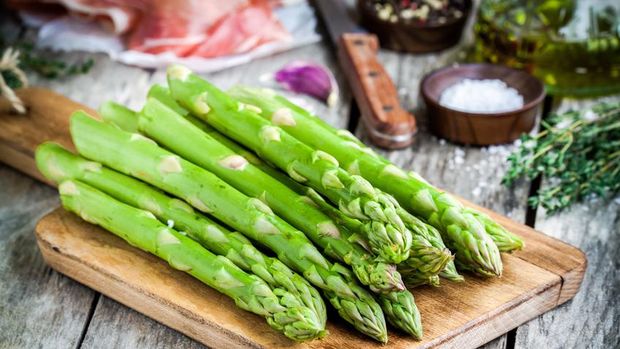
{"points": [[388, 124]]}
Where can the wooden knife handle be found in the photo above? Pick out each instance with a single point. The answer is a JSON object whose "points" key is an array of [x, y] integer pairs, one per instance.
{"points": [[389, 125]]}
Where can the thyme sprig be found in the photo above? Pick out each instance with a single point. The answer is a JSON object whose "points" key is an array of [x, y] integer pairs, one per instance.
{"points": [[35, 61], [577, 152]]}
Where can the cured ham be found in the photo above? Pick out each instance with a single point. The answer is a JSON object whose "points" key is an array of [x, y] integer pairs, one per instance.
{"points": [[186, 28], [179, 25], [242, 31], [117, 15]]}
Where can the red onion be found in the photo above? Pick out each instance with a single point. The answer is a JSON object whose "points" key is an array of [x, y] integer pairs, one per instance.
{"points": [[309, 78]]}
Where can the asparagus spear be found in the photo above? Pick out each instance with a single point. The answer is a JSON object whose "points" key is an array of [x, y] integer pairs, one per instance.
{"points": [[425, 261], [450, 273], [162, 124], [401, 312], [140, 229], [505, 240], [140, 157], [413, 279], [59, 165], [387, 234], [463, 232], [399, 306], [428, 256]]}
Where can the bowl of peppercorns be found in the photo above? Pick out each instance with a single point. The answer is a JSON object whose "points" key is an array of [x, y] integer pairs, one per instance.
{"points": [[415, 25]]}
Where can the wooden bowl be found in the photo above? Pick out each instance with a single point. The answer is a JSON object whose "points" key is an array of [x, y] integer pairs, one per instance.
{"points": [[413, 37], [478, 128]]}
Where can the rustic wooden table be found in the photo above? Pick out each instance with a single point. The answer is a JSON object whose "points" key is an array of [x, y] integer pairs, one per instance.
{"points": [[41, 308]]}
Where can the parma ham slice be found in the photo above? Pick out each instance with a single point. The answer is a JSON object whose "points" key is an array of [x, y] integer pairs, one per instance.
{"points": [[186, 28], [242, 31]]}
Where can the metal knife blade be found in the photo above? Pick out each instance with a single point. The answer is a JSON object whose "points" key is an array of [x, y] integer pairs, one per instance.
{"points": [[338, 17]]}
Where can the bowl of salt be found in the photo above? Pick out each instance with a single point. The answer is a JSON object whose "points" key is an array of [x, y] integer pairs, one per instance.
{"points": [[481, 104]]}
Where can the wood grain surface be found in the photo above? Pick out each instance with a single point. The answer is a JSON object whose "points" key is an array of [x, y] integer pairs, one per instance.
{"points": [[37, 305], [21, 134]]}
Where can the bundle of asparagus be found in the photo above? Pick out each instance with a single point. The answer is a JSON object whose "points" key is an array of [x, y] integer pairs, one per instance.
{"points": [[189, 141], [60, 165], [162, 124]]}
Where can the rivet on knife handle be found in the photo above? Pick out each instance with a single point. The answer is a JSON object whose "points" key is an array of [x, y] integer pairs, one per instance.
{"points": [[389, 125]]}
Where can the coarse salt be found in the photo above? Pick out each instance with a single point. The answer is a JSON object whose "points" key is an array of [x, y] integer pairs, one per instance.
{"points": [[481, 96]]}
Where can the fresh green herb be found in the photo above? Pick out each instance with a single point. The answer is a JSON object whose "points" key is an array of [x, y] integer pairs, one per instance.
{"points": [[11, 79], [32, 60], [578, 152]]}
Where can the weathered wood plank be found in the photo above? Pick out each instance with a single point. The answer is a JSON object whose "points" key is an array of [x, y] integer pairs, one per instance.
{"points": [[497, 343], [591, 318], [106, 80], [116, 326], [37, 305]]}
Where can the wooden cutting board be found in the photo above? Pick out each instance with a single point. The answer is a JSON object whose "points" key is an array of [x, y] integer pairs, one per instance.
{"points": [[546, 274]]}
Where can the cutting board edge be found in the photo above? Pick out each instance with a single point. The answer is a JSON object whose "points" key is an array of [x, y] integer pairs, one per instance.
{"points": [[22, 162], [571, 277], [470, 332]]}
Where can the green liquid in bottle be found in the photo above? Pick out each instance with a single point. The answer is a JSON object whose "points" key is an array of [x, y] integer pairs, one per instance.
{"points": [[573, 46]]}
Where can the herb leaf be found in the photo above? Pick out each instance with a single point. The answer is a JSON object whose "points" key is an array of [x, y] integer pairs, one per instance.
{"points": [[32, 60], [578, 152]]}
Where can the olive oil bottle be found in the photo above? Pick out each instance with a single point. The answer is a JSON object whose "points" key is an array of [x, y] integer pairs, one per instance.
{"points": [[573, 46]]}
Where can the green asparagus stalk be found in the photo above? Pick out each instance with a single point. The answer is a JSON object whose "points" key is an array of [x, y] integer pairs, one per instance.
{"points": [[413, 279], [59, 165], [401, 312], [399, 306], [428, 255], [142, 158], [388, 236], [450, 273], [505, 240], [119, 115], [423, 234], [461, 230], [140, 229], [162, 94], [162, 124], [424, 260]]}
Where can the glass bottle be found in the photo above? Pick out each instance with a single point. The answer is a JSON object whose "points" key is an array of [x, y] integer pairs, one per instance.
{"points": [[573, 46]]}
